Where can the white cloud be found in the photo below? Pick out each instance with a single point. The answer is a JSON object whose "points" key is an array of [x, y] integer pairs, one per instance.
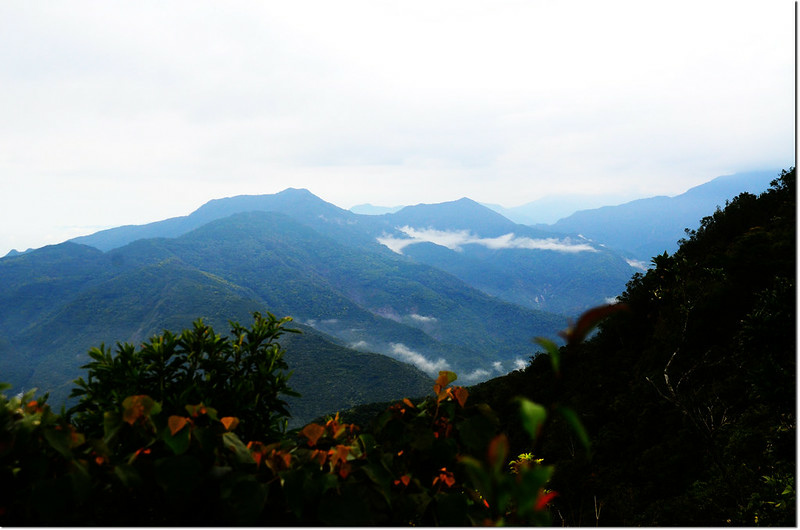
{"points": [[498, 366], [360, 345], [424, 319], [476, 375], [519, 364], [456, 239], [637, 264], [405, 354]]}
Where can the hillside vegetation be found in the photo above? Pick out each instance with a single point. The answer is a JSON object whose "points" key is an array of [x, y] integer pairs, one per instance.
{"points": [[689, 396]]}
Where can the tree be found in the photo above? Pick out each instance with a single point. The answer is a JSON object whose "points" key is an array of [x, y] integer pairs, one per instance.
{"points": [[243, 374]]}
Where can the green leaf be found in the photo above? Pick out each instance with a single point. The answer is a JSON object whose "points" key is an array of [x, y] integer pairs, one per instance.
{"points": [[112, 423], [577, 426], [178, 442], [551, 348], [60, 441], [532, 416], [233, 443], [381, 478]]}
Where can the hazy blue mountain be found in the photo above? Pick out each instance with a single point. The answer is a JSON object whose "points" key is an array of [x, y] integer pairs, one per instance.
{"points": [[300, 204], [463, 214], [15, 252], [647, 227], [369, 209], [551, 208]]}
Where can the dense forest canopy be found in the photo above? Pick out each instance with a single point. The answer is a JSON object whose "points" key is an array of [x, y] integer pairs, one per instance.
{"points": [[689, 396], [679, 410]]}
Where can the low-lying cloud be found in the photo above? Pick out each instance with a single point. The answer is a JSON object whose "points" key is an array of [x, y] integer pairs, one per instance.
{"points": [[477, 375], [638, 264], [456, 239], [405, 354]]}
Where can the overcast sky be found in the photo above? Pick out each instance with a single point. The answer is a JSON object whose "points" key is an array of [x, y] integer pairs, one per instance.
{"points": [[129, 112]]}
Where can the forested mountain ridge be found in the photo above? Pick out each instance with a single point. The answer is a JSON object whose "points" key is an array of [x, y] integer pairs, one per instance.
{"points": [[689, 396], [538, 269]]}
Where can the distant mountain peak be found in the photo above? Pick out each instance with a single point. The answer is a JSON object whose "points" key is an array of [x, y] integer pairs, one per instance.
{"points": [[295, 202], [460, 214], [299, 192], [371, 209]]}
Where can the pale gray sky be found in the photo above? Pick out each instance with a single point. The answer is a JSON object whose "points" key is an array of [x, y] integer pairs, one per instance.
{"points": [[129, 112]]}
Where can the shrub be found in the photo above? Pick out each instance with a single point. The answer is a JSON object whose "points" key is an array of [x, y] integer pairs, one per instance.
{"points": [[242, 374]]}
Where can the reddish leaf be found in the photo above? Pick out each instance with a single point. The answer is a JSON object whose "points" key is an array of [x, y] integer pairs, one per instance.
{"points": [[176, 423], [461, 395], [498, 450], [344, 469], [135, 407], [320, 456], [339, 454], [312, 431], [230, 422], [588, 320], [545, 499], [286, 458], [445, 378], [446, 477]]}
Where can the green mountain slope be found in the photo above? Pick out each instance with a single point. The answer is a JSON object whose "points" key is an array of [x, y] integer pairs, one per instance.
{"points": [[362, 297], [73, 297], [128, 303]]}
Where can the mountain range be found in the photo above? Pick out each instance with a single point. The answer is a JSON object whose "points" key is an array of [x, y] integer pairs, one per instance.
{"points": [[640, 228], [345, 287], [400, 295], [647, 227]]}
